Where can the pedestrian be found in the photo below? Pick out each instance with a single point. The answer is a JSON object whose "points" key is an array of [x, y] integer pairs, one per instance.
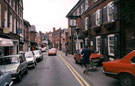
{"points": [[86, 52]]}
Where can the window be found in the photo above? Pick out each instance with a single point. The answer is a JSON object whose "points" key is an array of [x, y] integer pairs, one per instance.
{"points": [[86, 4], [97, 16], [0, 14], [14, 25], [6, 19], [105, 14], [72, 22], [111, 44], [10, 2], [10, 23], [13, 5], [86, 41], [86, 23], [82, 8], [98, 44], [78, 11], [110, 11]]}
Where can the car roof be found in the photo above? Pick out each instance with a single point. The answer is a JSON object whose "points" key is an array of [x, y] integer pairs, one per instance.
{"points": [[9, 56]]}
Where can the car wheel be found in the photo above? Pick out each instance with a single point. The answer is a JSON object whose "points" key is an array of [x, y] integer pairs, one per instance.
{"points": [[75, 61], [19, 78], [34, 65], [126, 80], [26, 72]]}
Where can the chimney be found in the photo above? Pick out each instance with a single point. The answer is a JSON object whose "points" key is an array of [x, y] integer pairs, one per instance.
{"points": [[53, 29]]}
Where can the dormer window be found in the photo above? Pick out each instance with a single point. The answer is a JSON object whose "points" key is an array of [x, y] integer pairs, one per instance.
{"points": [[78, 11], [82, 8], [86, 4]]}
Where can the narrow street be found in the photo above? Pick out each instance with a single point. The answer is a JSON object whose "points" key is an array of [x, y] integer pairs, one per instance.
{"points": [[49, 72], [62, 71]]}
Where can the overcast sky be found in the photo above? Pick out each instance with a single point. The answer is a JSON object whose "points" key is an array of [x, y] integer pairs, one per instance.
{"points": [[46, 14]]}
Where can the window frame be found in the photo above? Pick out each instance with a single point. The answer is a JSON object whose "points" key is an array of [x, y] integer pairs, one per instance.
{"points": [[97, 47], [86, 22], [109, 46], [86, 4], [110, 12], [73, 22], [0, 14]]}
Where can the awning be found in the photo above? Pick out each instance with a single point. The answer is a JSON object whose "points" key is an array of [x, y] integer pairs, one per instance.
{"points": [[6, 42]]}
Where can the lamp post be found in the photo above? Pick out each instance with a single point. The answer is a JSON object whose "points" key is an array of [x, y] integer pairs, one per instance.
{"points": [[77, 30]]}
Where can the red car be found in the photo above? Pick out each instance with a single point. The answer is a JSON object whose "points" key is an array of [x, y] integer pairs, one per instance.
{"points": [[122, 69], [95, 57], [52, 51]]}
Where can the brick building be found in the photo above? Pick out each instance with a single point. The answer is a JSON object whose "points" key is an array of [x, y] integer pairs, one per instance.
{"points": [[56, 38], [26, 35], [11, 23], [64, 39], [33, 43], [97, 25]]}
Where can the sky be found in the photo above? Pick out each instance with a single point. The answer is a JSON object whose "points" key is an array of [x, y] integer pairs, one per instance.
{"points": [[46, 14]]}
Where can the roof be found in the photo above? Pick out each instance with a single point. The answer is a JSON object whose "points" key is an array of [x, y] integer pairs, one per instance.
{"points": [[73, 9], [33, 28]]}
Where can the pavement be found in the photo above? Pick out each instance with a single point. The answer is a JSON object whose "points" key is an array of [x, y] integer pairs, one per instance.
{"points": [[95, 78]]}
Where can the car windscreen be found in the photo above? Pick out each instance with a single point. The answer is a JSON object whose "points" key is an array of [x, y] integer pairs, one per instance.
{"points": [[28, 54], [36, 52], [9, 60]]}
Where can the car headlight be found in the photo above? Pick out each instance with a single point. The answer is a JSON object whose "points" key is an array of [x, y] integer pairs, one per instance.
{"points": [[13, 71]]}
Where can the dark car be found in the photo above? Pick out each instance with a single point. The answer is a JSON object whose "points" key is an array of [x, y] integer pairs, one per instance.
{"points": [[15, 64], [5, 79]]}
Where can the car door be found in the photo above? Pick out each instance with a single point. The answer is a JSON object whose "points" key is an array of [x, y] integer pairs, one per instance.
{"points": [[22, 64], [133, 63]]}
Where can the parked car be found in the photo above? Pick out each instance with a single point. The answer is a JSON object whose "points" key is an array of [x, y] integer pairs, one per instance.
{"points": [[44, 49], [16, 64], [38, 54], [95, 57], [31, 59], [52, 51], [122, 69], [5, 79]]}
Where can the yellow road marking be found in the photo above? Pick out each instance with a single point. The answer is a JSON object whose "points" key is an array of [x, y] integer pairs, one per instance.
{"points": [[74, 72]]}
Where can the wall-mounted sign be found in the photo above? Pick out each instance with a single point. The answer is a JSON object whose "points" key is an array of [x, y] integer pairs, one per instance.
{"points": [[19, 31], [6, 30]]}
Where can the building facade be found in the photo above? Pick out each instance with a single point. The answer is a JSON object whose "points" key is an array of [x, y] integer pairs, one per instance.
{"points": [[11, 23], [96, 23]]}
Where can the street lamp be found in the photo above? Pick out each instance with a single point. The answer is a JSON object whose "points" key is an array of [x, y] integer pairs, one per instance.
{"points": [[77, 30]]}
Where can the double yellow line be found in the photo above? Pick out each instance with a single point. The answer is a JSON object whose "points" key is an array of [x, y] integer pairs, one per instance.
{"points": [[78, 77]]}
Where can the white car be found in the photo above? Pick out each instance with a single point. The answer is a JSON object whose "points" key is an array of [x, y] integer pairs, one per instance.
{"points": [[38, 54], [31, 59]]}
